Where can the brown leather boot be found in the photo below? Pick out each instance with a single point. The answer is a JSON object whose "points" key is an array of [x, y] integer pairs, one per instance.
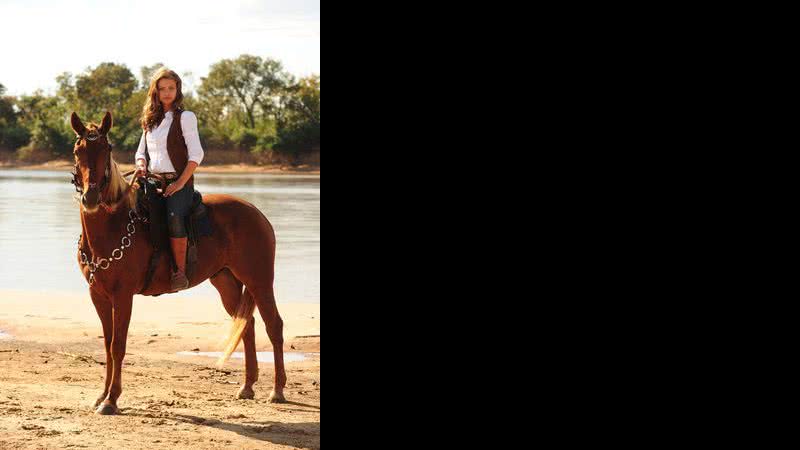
{"points": [[178, 281]]}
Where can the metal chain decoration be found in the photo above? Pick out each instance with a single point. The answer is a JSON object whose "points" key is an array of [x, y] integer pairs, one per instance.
{"points": [[116, 255]]}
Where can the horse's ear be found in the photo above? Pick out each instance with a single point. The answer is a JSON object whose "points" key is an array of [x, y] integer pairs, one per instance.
{"points": [[77, 124], [108, 122]]}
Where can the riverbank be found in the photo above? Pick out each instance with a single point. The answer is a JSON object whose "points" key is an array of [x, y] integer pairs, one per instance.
{"points": [[64, 165], [52, 368]]}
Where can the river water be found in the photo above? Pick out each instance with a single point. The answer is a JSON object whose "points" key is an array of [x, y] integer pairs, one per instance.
{"points": [[40, 223]]}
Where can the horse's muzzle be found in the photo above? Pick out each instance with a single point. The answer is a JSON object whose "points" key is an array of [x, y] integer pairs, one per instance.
{"points": [[90, 198]]}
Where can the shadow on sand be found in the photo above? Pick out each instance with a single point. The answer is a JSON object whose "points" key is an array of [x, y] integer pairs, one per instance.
{"points": [[303, 435]]}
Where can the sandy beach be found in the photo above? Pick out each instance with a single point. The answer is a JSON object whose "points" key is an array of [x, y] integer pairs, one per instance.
{"points": [[52, 369]]}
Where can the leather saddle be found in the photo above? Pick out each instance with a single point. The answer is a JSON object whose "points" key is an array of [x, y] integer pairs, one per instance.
{"points": [[152, 205]]}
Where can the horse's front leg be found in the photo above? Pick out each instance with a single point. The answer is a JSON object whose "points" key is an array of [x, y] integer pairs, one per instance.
{"points": [[104, 310], [122, 319]]}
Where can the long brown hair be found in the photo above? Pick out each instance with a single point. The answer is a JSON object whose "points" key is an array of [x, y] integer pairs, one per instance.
{"points": [[153, 111]]}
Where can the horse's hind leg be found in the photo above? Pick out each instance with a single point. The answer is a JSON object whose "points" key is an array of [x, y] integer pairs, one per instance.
{"points": [[230, 289], [265, 300]]}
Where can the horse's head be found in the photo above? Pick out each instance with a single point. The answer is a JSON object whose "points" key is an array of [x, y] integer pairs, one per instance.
{"points": [[92, 161]]}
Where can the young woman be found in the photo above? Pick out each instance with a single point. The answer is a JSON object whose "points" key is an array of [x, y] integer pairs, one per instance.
{"points": [[170, 146]]}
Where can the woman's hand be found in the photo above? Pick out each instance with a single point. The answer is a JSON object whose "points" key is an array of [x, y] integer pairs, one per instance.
{"points": [[174, 187], [141, 171]]}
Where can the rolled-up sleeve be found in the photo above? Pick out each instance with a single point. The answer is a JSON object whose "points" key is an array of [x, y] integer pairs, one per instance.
{"points": [[140, 152], [192, 137]]}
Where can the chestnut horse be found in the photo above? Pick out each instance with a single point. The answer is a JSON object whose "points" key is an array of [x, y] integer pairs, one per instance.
{"points": [[114, 256]]}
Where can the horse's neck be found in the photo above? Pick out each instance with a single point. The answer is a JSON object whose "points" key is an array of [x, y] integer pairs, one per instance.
{"points": [[104, 228]]}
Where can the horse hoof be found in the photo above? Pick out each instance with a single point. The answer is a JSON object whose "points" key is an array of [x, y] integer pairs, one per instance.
{"points": [[107, 409], [246, 393], [100, 400], [276, 397]]}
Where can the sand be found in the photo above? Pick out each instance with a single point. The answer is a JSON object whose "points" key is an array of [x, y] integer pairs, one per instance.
{"points": [[52, 369]]}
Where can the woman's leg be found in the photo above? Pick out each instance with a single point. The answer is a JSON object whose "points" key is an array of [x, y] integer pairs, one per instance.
{"points": [[178, 206]]}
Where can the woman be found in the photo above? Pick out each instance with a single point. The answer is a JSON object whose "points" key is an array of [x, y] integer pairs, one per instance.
{"points": [[170, 146]]}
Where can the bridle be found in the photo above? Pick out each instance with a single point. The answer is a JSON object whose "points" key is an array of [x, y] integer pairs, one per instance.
{"points": [[78, 181]]}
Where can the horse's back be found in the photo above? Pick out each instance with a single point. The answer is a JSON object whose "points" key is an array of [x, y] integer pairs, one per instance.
{"points": [[237, 218]]}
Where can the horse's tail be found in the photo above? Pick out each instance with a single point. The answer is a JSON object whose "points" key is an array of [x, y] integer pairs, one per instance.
{"points": [[244, 313]]}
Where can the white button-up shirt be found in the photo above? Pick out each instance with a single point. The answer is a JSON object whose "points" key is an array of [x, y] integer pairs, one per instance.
{"points": [[157, 143]]}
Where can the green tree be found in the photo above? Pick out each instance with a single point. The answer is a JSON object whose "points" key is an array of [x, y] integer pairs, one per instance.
{"points": [[12, 134], [249, 83], [307, 99], [107, 87], [298, 126], [45, 118], [7, 114], [245, 104]]}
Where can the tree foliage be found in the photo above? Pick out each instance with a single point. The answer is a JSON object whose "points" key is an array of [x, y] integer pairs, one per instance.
{"points": [[12, 134], [299, 127], [244, 104]]}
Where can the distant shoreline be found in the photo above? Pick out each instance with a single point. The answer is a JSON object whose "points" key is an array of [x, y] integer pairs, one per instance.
{"points": [[63, 165]]}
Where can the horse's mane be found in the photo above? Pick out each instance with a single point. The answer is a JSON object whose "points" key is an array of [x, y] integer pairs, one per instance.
{"points": [[119, 187]]}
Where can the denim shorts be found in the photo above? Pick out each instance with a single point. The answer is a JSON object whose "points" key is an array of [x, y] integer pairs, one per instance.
{"points": [[179, 203]]}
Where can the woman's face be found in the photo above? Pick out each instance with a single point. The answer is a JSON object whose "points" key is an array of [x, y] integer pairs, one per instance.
{"points": [[167, 91]]}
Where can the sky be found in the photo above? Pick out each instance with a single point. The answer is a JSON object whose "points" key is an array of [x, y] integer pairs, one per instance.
{"points": [[40, 39]]}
